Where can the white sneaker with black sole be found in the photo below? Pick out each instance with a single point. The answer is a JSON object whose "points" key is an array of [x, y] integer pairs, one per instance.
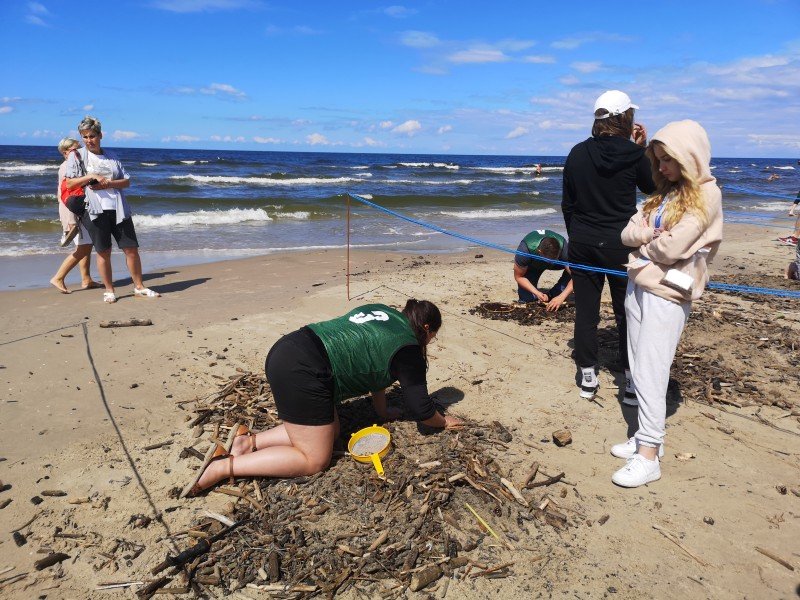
{"points": [[637, 471], [628, 449], [629, 398], [589, 383]]}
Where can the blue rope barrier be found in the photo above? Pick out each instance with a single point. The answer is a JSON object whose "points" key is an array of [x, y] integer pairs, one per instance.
{"points": [[711, 285], [736, 188]]}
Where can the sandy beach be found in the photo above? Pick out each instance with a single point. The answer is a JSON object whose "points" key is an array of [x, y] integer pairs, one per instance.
{"points": [[81, 403]]}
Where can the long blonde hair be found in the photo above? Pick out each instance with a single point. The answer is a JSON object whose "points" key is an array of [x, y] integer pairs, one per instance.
{"points": [[686, 193]]}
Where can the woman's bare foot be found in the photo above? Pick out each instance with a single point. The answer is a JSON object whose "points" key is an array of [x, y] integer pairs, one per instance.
{"points": [[242, 444], [216, 471], [59, 285], [90, 285]]}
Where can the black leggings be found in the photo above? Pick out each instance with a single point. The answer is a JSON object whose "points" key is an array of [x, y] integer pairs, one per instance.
{"points": [[588, 289]]}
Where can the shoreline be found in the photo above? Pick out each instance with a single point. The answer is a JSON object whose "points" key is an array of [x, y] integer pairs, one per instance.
{"points": [[34, 271]]}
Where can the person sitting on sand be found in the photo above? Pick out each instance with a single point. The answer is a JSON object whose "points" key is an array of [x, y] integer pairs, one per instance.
{"points": [[71, 226], [791, 240], [318, 366], [675, 235], [527, 270]]}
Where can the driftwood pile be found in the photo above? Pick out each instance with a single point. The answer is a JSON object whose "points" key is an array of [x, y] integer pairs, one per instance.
{"points": [[532, 313], [448, 508]]}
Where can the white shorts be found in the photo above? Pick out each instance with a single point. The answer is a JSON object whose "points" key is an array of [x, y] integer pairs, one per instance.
{"points": [[82, 239]]}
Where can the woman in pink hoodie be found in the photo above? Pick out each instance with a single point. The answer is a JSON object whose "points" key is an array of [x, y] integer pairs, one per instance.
{"points": [[676, 234]]}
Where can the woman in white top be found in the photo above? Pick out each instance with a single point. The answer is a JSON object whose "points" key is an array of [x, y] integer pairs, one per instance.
{"points": [[83, 243], [108, 215]]}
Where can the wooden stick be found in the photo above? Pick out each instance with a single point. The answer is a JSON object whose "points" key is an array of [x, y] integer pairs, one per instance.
{"points": [[482, 522], [674, 539], [531, 474], [159, 445], [514, 491], [548, 481], [128, 323], [492, 570], [776, 558], [238, 494]]}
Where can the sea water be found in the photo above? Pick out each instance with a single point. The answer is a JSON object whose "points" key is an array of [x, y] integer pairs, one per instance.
{"points": [[205, 205]]}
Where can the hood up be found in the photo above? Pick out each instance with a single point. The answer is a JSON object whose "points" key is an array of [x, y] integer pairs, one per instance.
{"points": [[688, 142]]}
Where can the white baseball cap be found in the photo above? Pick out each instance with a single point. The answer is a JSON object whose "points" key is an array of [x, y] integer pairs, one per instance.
{"points": [[615, 102]]}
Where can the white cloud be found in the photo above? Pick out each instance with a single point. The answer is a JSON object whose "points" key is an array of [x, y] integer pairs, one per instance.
{"points": [[399, 12], [193, 6], [419, 39], [266, 140], [586, 67], [9, 99], [180, 138], [4, 110], [228, 138], [512, 45], [119, 135], [410, 127], [576, 41], [775, 139], [87, 107], [44, 133], [478, 56], [386, 124], [550, 124], [223, 88], [516, 132], [444, 129], [36, 14], [569, 80], [368, 141], [539, 59], [317, 139]]}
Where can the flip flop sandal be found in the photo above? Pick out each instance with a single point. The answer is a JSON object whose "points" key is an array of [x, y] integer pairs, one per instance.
{"points": [[145, 293], [215, 452], [109, 297]]}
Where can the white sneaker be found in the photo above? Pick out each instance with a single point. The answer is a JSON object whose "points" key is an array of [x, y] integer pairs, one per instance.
{"points": [[589, 383], [628, 449], [637, 471], [629, 398]]}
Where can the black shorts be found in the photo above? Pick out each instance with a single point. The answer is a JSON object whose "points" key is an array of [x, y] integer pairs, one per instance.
{"points": [[299, 373], [105, 225]]}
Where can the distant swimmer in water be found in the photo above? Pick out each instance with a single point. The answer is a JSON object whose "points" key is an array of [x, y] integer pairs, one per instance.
{"points": [[773, 177]]}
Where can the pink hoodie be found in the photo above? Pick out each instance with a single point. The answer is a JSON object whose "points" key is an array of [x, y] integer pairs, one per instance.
{"points": [[676, 247]]}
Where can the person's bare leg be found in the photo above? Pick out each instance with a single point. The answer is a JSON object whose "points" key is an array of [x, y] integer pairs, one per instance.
{"points": [[81, 253], [310, 452], [134, 266], [277, 436], [104, 268], [85, 266]]}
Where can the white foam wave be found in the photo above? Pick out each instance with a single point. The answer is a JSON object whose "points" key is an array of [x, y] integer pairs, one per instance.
{"points": [[789, 168], [427, 165], [497, 213], [430, 182], [266, 180], [518, 180], [360, 167], [202, 217], [149, 164], [769, 206], [23, 168], [526, 170], [300, 215], [194, 162]]}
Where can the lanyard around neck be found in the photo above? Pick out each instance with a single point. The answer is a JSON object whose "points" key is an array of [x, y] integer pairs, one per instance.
{"points": [[660, 213]]}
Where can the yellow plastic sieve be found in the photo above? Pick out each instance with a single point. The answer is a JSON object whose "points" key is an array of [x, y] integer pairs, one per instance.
{"points": [[375, 444]]}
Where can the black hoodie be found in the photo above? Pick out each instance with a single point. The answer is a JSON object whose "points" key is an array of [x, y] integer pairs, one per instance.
{"points": [[601, 175]]}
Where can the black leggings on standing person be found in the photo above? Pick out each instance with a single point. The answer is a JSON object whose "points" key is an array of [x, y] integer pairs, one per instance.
{"points": [[588, 289]]}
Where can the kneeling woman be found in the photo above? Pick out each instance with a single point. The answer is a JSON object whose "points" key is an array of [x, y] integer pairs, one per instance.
{"points": [[316, 367]]}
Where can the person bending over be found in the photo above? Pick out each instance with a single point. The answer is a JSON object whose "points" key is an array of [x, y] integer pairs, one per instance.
{"points": [[314, 369], [528, 271]]}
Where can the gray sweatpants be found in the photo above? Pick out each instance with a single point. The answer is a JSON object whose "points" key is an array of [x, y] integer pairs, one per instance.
{"points": [[654, 330]]}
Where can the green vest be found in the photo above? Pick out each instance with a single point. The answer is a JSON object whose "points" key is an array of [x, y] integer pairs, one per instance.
{"points": [[361, 345], [534, 238]]}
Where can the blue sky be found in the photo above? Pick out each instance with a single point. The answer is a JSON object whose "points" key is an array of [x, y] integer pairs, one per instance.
{"points": [[459, 77]]}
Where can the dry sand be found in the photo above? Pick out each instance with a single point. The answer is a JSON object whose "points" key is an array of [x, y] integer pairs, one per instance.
{"points": [[62, 430]]}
